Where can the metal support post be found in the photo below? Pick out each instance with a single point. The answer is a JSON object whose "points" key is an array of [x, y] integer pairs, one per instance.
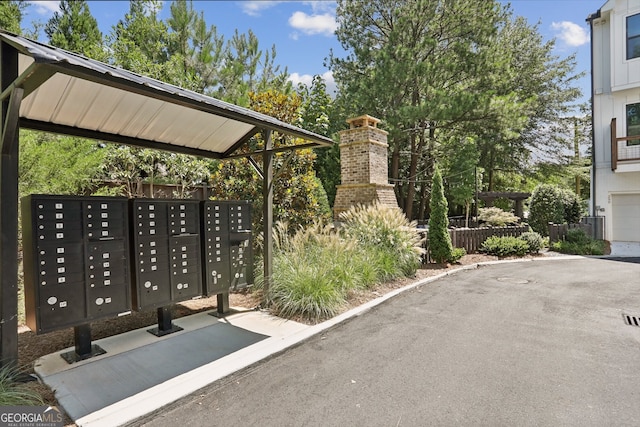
{"points": [[9, 214], [165, 323], [83, 347], [267, 209]]}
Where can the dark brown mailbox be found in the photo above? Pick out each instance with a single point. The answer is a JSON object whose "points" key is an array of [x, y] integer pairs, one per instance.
{"points": [[166, 251], [227, 249], [76, 260]]}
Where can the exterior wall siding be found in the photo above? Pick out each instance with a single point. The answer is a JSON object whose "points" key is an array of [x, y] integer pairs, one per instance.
{"points": [[616, 83]]}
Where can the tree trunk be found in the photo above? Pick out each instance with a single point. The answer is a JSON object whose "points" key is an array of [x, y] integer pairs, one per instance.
{"points": [[411, 184], [395, 172]]}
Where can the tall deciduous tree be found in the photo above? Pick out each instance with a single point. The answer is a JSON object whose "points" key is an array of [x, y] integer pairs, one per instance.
{"points": [[73, 28]]}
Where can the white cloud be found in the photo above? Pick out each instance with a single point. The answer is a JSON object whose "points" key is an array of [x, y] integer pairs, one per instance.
{"points": [[307, 79], [254, 8], [314, 24], [570, 33], [322, 6], [46, 7]]}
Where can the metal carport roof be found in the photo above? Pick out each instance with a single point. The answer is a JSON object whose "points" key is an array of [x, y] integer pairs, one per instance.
{"points": [[49, 89], [70, 94]]}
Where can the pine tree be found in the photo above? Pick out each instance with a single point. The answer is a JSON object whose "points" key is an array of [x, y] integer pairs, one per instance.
{"points": [[440, 245], [73, 28]]}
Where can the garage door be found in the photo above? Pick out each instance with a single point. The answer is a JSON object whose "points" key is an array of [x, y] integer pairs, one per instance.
{"points": [[626, 217]]}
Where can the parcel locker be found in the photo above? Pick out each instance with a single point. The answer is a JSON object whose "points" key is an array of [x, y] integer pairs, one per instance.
{"points": [[227, 245], [166, 251], [76, 260]]}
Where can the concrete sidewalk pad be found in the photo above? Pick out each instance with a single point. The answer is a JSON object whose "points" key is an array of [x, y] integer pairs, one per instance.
{"points": [[141, 372]]}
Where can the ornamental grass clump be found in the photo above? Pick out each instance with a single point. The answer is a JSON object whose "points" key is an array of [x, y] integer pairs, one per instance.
{"points": [[316, 268], [386, 232], [534, 240], [13, 393]]}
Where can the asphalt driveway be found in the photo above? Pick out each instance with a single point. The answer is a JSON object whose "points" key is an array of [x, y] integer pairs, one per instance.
{"points": [[513, 344]]}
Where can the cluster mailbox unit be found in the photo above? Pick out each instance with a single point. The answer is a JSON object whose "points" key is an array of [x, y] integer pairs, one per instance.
{"points": [[166, 257], [76, 264], [89, 258], [227, 234]]}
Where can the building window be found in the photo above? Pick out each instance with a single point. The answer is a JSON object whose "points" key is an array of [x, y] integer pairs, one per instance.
{"points": [[633, 123], [633, 36]]}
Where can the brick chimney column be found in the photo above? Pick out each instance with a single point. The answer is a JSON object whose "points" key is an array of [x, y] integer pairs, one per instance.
{"points": [[363, 166]]}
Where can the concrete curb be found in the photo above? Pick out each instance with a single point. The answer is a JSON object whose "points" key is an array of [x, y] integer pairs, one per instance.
{"points": [[143, 403]]}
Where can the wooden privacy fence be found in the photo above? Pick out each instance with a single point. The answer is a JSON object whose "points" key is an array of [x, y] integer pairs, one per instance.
{"points": [[558, 232], [472, 238]]}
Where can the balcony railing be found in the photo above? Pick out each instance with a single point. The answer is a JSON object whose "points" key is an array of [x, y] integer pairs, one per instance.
{"points": [[620, 151]]}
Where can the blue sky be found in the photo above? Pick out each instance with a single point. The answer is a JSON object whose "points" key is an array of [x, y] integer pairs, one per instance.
{"points": [[302, 31]]}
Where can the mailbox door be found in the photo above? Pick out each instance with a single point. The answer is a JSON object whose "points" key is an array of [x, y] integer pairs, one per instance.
{"points": [[185, 267], [216, 255], [241, 254]]}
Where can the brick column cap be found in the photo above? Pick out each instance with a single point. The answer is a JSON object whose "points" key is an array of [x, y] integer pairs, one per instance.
{"points": [[363, 121]]}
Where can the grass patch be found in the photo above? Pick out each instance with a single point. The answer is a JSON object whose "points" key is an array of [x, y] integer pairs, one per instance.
{"points": [[13, 393]]}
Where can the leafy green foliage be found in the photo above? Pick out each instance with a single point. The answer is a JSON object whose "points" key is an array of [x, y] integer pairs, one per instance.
{"points": [[41, 158], [550, 203], [439, 240], [299, 198], [126, 168], [496, 217], [316, 108], [577, 242], [534, 240], [456, 255], [472, 70], [11, 13], [505, 246]]}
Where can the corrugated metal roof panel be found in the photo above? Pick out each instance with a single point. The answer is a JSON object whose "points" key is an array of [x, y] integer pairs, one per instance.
{"points": [[89, 95]]}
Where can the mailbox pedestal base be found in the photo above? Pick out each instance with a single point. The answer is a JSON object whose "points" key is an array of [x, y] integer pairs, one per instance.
{"points": [[165, 323], [83, 347], [223, 308]]}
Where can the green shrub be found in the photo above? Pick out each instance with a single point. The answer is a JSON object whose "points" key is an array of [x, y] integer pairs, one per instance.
{"points": [[550, 203], [439, 240], [576, 242], [496, 217], [456, 254], [504, 246], [534, 240]]}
